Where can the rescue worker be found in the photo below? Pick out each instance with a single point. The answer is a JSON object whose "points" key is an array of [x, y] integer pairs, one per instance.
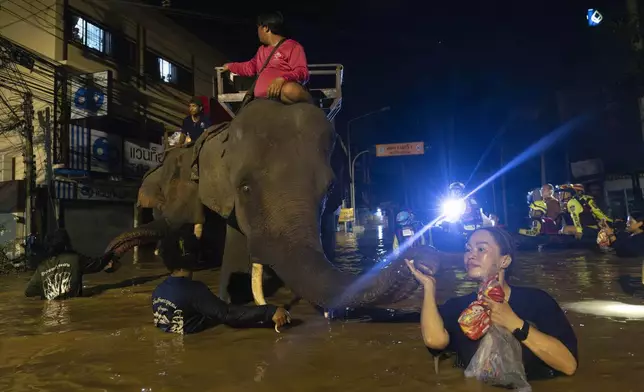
{"points": [[538, 210], [589, 204], [406, 227], [473, 214], [583, 213]]}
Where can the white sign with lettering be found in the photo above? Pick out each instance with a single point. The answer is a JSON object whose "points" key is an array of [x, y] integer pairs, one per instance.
{"points": [[139, 157]]}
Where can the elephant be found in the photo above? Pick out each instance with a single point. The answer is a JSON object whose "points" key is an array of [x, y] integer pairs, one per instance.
{"points": [[268, 173]]}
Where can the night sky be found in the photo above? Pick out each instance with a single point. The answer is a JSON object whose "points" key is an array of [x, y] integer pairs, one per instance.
{"points": [[452, 73]]}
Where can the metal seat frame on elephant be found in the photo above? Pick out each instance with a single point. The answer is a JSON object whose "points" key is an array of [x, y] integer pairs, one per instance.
{"points": [[327, 94]]}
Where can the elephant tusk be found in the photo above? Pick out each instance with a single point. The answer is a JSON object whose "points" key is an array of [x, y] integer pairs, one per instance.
{"points": [[257, 284], [198, 230]]}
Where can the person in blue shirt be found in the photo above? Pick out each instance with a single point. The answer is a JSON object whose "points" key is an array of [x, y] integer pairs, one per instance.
{"points": [[196, 122], [182, 305]]}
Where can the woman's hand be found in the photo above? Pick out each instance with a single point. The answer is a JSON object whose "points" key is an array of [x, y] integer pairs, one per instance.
{"points": [[503, 315], [428, 281]]}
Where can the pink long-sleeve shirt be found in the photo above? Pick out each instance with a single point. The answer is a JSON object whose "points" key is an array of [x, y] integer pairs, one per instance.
{"points": [[288, 62]]}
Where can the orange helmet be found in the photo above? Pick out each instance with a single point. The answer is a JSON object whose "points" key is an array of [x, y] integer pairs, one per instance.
{"points": [[565, 192], [579, 188]]}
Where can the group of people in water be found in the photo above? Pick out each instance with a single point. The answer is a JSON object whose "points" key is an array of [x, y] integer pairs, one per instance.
{"points": [[184, 306], [567, 209]]}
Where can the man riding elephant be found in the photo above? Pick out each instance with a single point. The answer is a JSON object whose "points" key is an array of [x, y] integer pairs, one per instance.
{"points": [[268, 174], [279, 65]]}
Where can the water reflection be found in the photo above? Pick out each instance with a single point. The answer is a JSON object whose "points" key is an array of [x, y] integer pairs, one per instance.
{"points": [[55, 313], [607, 309]]}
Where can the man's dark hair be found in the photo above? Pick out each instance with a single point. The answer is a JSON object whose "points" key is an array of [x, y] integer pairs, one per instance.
{"points": [[274, 21], [180, 250], [638, 215], [506, 244], [58, 242], [197, 102]]}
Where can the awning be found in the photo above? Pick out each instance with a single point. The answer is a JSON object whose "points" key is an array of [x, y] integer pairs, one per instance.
{"points": [[12, 196]]}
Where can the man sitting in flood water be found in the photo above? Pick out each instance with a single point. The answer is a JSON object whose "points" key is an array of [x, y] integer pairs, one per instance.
{"points": [[61, 275], [182, 305]]}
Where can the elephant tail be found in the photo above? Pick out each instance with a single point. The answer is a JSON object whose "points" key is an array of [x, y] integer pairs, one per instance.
{"points": [[142, 235]]}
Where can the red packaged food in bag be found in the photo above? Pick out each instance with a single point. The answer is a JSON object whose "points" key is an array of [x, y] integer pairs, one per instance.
{"points": [[492, 288], [475, 319]]}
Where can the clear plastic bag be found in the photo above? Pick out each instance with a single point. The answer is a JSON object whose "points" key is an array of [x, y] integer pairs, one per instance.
{"points": [[498, 361]]}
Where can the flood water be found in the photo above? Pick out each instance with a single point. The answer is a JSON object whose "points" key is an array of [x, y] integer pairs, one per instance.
{"points": [[108, 343]]}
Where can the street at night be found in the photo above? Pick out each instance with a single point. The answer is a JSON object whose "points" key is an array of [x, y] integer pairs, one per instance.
{"points": [[321, 196]]}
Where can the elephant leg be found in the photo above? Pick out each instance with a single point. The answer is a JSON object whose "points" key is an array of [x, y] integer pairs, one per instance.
{"points": [[257, 284], [234, 283]]}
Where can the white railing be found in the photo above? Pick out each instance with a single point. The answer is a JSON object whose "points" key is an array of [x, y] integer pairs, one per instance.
{"points": [[328, 98]]}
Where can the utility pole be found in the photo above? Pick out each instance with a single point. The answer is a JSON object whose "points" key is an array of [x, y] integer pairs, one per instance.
{"points": [[45, 123], [30, 166]]}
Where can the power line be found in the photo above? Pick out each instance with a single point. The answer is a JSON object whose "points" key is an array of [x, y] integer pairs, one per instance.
{"points": [[25, 19], [38, 11], [165, 48], [176, 11], [15, 82]]}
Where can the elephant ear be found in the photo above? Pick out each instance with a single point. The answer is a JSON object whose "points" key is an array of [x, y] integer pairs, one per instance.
{"points": [[215, 190]]}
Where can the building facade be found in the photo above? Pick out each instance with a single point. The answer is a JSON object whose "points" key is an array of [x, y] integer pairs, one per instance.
{"points": [[101, 82]]}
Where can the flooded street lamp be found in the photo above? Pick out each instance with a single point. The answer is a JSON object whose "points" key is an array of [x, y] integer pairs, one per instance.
{"points": [[383, 109], [353, 185]]}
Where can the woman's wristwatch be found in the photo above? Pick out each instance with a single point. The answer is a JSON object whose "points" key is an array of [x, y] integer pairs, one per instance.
{"points": [[522, 333]]}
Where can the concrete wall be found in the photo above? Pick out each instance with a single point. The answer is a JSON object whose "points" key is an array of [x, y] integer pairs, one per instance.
{"points": [[34, 24]]}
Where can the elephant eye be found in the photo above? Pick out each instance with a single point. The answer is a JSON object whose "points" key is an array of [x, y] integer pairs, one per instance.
{"points": [[245, 188]]}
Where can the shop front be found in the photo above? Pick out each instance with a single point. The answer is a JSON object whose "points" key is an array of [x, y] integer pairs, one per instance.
{"points": [[94, 213], [96, 190]]}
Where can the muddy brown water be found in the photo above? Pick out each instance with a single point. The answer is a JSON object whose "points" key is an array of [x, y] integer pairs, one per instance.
{"points": [[108, 343]]}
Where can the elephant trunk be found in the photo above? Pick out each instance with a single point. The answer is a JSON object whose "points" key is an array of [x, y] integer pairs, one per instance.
{"points": [[307, 272], [142, 235]]}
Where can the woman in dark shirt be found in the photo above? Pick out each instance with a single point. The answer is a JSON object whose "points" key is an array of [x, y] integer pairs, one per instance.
{"points": [[631, 242], [534, 317]]}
